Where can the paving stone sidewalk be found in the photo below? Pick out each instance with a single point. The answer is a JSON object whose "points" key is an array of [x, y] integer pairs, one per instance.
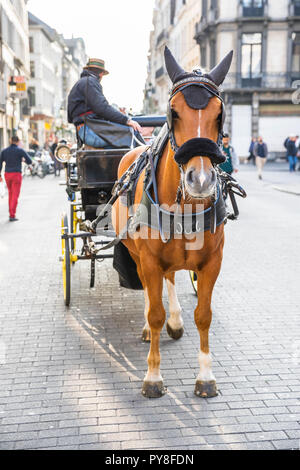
{"points": [[71, 378]]}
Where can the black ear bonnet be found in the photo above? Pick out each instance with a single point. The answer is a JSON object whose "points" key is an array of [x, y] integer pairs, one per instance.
{"points": [[197, 89]]}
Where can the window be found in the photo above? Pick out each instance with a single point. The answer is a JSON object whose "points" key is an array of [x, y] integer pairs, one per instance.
{"points": [[31, 44], [251, 59], [253, 8], [204, 8], [296, 56], [212, 53], [32, 69], [31, 97], [172, 11], [297, 7], [203, 55]]}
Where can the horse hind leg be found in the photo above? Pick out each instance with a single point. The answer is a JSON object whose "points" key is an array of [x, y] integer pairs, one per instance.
{"points": [[146, 335], [153, 386], [175, 326]]}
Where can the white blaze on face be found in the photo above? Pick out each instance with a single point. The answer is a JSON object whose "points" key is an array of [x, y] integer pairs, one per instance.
{"points": [[205, 362], [199, 126], [202, 176]]}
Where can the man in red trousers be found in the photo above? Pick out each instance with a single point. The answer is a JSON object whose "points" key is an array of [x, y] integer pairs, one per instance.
{"points": [[13, 157]]}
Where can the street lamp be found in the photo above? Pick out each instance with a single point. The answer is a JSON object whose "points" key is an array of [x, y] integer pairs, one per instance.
{"points": [[12, 91]]}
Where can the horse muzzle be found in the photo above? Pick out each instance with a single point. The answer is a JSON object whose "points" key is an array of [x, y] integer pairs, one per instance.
{"points": [[200, 184]]}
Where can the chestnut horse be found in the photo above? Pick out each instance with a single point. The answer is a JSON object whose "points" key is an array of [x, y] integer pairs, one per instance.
{"points": [[157, 260]]}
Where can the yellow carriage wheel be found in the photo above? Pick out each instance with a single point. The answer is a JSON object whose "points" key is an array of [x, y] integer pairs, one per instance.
{"points": [[73, 225], [194, 280], [66, 261]]}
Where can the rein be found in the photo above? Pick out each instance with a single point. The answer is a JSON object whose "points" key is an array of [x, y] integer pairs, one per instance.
{"points": [[194, 147]]}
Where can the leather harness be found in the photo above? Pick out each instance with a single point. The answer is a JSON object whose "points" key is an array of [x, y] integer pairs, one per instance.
{"points": [[177, 223]]}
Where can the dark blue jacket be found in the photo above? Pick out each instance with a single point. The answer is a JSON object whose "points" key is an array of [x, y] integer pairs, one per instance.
{"points": [[87, 96], [291, 148], [13, 157]]}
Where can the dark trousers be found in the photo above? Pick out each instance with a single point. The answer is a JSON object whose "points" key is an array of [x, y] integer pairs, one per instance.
{"points": [[13, 183], [293, 162]]}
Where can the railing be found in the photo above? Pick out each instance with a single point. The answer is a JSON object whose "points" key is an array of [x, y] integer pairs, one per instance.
{"points": [[297, 9], [264, 81]]}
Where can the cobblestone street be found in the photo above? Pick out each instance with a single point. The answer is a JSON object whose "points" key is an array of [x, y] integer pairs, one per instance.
{"points": [[71, 378]]}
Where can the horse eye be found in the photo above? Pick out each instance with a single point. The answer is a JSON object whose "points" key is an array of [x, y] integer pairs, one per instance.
{"points": [[174, 114]]}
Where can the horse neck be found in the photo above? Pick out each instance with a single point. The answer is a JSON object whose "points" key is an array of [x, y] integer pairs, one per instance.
{"points": [[168, 181]]}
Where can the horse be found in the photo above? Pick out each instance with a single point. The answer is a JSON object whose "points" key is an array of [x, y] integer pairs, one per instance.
{"points": [[194, 114]]}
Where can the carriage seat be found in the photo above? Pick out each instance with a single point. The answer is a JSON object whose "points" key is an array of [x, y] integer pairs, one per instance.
{"points": [[116, 135]]}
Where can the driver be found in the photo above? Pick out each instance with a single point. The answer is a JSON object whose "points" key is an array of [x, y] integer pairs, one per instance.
{"points": [[87, 99]]}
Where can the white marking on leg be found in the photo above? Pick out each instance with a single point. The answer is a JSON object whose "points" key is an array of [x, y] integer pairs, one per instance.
{"points": [[205, 374], [175, 321], [147, 307], [153, 376]]}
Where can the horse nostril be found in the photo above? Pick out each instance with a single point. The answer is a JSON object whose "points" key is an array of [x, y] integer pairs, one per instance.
{"points": [[190, 177], [213, 177]]}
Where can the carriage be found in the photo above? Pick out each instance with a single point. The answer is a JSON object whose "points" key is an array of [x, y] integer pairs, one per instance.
{"points": [[182, 165], [90, 178]]}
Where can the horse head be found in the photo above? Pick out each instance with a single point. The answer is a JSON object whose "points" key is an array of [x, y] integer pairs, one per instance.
{"points": [[195, 118]]}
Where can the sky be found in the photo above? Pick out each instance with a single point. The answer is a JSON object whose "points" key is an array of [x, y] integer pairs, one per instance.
{"points": [[117, 31]]}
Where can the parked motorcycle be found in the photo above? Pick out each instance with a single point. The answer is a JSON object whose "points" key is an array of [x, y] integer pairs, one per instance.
{"points": [[42, 165]]}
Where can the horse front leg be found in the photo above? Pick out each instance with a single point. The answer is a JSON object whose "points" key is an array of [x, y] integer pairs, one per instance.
{"points": [[175, 326], [153, 386], [206, 386]]}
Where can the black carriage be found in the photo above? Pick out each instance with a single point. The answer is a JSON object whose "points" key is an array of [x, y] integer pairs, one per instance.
{"points": [[90, 178]]}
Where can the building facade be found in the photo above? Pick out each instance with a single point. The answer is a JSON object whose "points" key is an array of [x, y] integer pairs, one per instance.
{"points": [[174, 25], [14, 70], [259, 91], [55, 65]]}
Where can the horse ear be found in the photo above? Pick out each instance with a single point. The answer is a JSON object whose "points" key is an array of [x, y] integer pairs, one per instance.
{"points": [[173, 68], [218, 74]]}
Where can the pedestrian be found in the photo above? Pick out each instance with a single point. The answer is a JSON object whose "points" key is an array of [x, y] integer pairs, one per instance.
{"points": [[298, 150], [292, 152], [86, 99], [57, 166], [232, 163], [13, 157], [34, 145], [260, 151], [251, 148]]}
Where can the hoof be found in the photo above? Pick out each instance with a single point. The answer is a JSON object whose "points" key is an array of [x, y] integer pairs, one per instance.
{"points": [[175, 334], [206, 389], [153, 389], [146, 336]]}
